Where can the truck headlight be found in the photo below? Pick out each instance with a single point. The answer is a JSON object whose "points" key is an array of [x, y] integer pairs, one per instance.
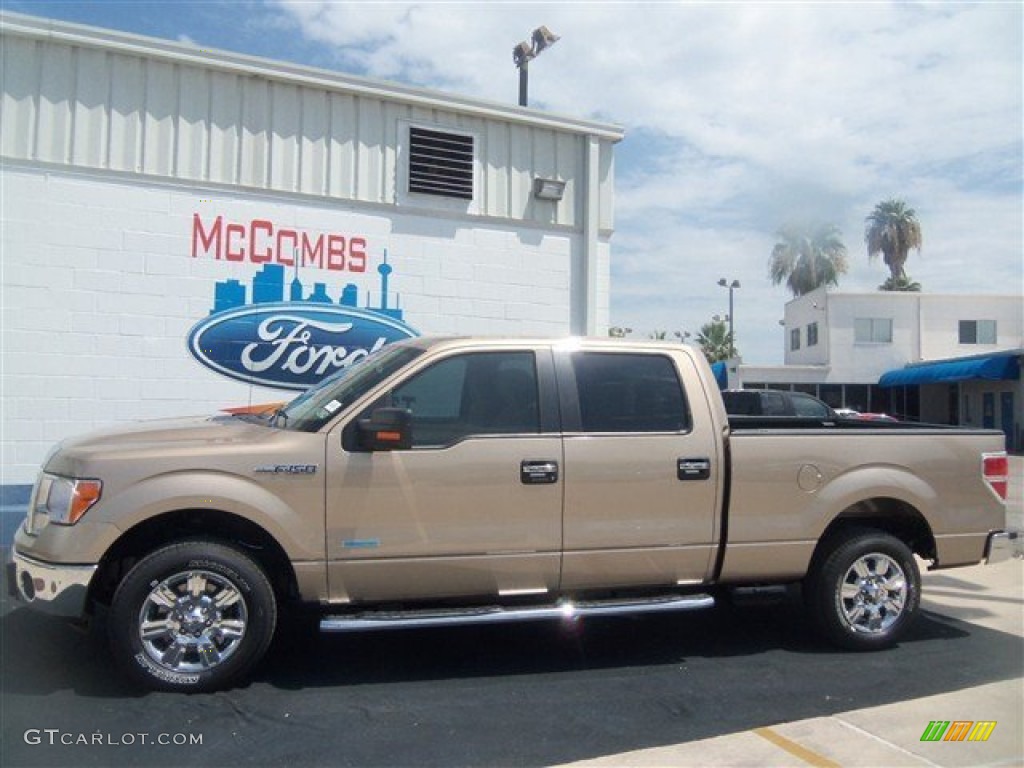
{"points": [[65, 499]]}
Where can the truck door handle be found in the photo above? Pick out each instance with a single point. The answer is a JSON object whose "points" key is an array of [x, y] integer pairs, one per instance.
{"points": [[538, 472], [693, 469]]}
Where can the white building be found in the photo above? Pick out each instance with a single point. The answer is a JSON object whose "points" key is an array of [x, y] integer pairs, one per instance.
{"points": [[944, 359], [151, 189]]}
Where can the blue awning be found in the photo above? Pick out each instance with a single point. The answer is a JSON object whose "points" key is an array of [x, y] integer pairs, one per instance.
{"points": [[992, 368], [721, 371]]}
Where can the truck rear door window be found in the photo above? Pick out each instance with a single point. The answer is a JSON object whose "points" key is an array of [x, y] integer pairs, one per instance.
{"points": [[629, 393]]}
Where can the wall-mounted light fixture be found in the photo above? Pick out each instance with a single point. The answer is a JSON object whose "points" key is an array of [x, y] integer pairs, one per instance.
{"points": [[548, 189]]}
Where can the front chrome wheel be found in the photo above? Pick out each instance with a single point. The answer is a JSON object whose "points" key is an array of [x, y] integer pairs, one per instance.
{"points": [[872, 594], [192, 621], [192, 616]]}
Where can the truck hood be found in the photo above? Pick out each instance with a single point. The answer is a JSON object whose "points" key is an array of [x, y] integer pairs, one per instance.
{"points": [[158, 439]]}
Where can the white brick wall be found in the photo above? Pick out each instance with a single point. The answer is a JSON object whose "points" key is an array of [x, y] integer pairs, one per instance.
{"points": [[99, 291]]}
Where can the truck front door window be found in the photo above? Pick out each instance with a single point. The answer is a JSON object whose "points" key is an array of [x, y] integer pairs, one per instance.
{"points": [[476, 394]]}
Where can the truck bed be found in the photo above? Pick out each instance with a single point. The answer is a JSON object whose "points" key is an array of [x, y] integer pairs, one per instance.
{"points": [[762, 423]]}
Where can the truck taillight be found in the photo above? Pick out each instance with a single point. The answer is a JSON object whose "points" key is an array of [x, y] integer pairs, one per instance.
{"points": [[996, 468]]}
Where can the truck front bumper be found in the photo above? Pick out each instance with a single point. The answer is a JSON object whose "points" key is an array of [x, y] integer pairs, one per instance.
{"points": [[1002, 545], [53, 588]]}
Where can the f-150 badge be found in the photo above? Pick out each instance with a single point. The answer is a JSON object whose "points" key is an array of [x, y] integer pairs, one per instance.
{"points": [[287, 469]]}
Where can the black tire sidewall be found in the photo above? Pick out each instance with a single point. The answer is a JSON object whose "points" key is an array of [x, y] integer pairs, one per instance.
{"points": [[223, 560], [839, 555]]}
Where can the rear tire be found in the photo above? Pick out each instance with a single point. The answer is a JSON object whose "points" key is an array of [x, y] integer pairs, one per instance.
{"points": [[193, 616], [863, 591]]}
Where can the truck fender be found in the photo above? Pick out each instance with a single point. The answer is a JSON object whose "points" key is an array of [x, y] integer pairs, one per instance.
{"points": [[867, 483], [225, 493]]}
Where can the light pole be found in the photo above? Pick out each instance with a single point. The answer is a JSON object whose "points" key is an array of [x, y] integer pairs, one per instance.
{"points": [[541, 39], [732, 338]]}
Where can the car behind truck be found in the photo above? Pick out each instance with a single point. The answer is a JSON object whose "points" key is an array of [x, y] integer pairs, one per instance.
{"points": [[449, 481]]}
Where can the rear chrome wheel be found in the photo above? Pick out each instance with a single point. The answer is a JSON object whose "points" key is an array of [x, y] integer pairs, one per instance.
{"points": [[863, 590], [873, 594]]}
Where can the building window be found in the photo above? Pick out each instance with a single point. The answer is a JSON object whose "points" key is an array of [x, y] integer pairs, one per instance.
{"points": [[440, 163], [977, 331], [812, 335], [873, 330], [856, 396], [794, 339], [831, 394]]}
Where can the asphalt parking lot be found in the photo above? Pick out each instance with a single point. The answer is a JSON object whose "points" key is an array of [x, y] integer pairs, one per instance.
{"points": [[740, 685]]}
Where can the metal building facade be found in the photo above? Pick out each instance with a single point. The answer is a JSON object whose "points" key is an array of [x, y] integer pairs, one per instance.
{"points": [[89, 99]]}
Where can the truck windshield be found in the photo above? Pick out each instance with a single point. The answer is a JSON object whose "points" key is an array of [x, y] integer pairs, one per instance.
{"points": [[318, 404]]}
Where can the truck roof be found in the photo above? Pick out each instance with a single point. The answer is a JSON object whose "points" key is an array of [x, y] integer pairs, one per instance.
{"points": [[589, 342]]}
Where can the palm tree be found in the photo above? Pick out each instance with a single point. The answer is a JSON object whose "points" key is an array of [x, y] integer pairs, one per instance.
{"points": [[892, 229], [903, 284], [715, 341], [808, 259]]}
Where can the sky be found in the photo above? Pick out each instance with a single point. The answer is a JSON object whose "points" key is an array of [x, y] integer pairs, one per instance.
{"points": [[740, 118]]}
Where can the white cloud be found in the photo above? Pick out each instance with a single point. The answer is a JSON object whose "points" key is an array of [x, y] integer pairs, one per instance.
{"points": [[740, 117]]}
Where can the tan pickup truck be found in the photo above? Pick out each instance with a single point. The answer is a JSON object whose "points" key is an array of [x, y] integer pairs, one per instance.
{"points": [[446, 481]]}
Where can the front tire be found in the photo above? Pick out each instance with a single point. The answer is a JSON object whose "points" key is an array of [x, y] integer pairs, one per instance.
{"points": [[864, 590], [193, 616]]}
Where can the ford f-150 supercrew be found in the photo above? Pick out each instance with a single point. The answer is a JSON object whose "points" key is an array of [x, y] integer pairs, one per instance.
{"points": [[444, 481]]}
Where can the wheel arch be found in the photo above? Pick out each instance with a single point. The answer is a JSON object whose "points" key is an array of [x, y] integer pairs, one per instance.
{"points": [[895, 517], [196, 524]]}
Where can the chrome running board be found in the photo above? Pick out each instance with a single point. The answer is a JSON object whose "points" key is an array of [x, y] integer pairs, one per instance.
{"points": [[495, 614]]}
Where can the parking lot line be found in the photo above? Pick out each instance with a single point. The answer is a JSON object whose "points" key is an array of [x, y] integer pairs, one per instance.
{"points": [[797, 750]]}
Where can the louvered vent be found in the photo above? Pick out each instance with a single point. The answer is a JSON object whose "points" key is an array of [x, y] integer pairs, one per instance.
{"points": [[440, 163]]}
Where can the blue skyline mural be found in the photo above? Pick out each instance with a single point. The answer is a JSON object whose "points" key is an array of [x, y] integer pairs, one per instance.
{"points": [[268, 287]]}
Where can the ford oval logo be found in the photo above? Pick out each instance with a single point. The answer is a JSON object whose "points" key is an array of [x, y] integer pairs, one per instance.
{"points": [[290, 345]]}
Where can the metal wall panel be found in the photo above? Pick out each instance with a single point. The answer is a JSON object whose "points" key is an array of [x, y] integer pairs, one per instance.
{"points": [[127, 97], [394, 114], [159, 135], [56, 86], [369, 151], [313, 143], [225, 117], [255, 149], [520, 173], [569, 153], [90, 142], [193, 124], [606, 208], [285, 119], [102, 106], [342, 146], [494, 155], [19, 109]]}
